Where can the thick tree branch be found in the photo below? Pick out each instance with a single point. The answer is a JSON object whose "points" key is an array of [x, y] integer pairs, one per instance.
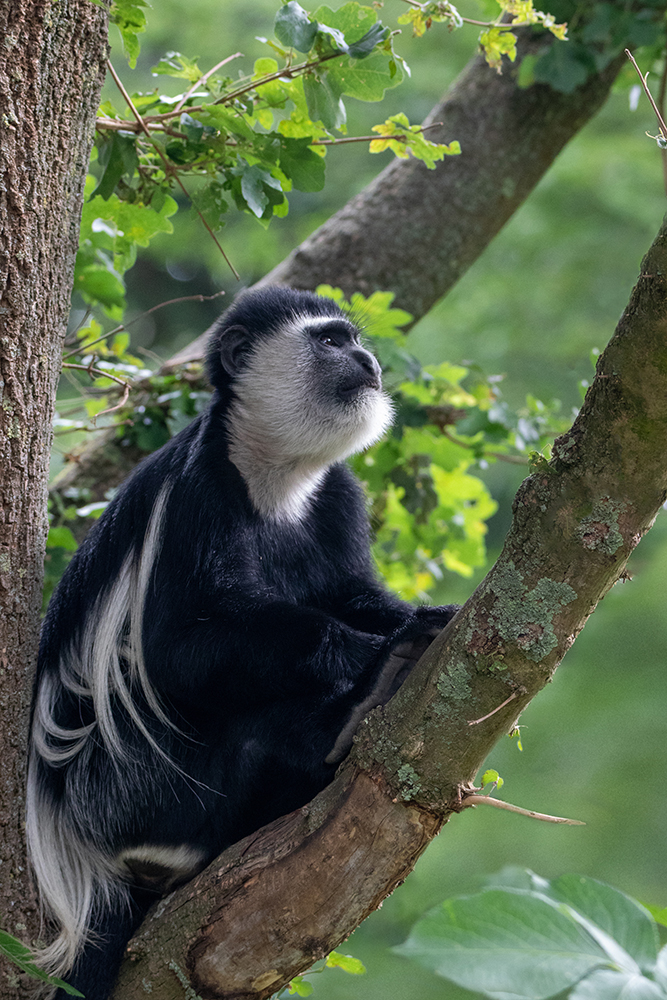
{"points": [[272, 904]]}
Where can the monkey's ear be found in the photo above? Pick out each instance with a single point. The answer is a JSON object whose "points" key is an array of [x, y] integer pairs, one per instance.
{"points": [[234, 347]]}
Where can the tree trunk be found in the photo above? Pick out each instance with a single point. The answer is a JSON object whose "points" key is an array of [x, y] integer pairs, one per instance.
{"points": [[51, 72], [282, 898]]}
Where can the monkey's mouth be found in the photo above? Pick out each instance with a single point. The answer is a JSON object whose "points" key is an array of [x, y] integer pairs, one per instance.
{"points": [[350, 392]]}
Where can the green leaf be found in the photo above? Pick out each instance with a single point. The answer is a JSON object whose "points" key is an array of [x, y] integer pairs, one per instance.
{"points": [[293, 28], [301, 164], [352, 20], [345, 962], [254, 182], [61, 538], [130, 20], [324, 100], [195, 131], [365, 80], [179, 66], [619, 916], [505, 943], [117, 154], [16, 952], [608, 985], [300, 986], [366, 44], [564, 66], [492, 777]]}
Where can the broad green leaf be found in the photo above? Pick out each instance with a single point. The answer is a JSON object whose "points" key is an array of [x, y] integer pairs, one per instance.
{"points": [[130, 20], [117, 154], [99, 284], [345, 962], [366, 44], [353, 20], [301, 164], [625, 920], [195, 131], [323, 97], [61, 538], [179, 66], [604, 984], [366, 79], [254, 183], [496, 43], [505, 944], [564, 67], [300, 986], [293, 28]]}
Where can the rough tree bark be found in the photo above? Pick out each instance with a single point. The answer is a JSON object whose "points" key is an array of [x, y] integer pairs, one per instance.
{"points": [[51, 73], [282, 898], [413, 230]]}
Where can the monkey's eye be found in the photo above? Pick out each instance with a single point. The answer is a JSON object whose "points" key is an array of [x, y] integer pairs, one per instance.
{"points": [[328, 340]]}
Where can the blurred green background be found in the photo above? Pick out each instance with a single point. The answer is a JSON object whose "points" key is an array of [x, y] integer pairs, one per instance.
{"points": [[549, 289]]}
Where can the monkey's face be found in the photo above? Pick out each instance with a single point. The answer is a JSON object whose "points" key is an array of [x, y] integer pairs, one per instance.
{"points": [[310, 393]]}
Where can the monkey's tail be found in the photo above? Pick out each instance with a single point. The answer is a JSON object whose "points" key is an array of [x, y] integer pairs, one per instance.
{"points": [[96, 968], [78, 884]]}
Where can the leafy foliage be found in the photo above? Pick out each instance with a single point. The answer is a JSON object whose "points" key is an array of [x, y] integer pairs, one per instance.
{"points": [[533, 939], [497, 37], [247, 141]]}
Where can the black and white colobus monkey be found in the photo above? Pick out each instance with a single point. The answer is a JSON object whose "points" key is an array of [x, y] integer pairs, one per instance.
{"points": [[218, 635]]}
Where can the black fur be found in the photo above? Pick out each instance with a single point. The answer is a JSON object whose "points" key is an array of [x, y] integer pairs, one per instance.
{"points": [[260, 637]]}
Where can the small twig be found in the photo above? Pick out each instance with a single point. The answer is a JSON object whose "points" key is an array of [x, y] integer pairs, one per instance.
{"points": [[289, 72], [661, 105], [99, 373], [118, 125], [202, 80], [478, 800], [501, 456], [475, 722], [661, 120], [160, 305], [168, 168], [371, 138], [286, 72]]}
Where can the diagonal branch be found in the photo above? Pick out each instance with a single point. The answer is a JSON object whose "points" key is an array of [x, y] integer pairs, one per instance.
{"points": [[287, 895]]}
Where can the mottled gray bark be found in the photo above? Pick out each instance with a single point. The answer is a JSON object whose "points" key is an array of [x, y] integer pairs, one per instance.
{"points": [[287, 895], [51, 72]]}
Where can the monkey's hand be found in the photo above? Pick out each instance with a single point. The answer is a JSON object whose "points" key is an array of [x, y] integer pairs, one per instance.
{"points": [[395, 665]]}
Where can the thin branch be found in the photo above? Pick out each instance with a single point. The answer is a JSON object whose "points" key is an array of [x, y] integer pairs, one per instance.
{"points": [[661, 105], [167, 166], [661, 120], [478, 800], [160, 305], [475, 722], [287, 72], [501, 456], [202, 80]]}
